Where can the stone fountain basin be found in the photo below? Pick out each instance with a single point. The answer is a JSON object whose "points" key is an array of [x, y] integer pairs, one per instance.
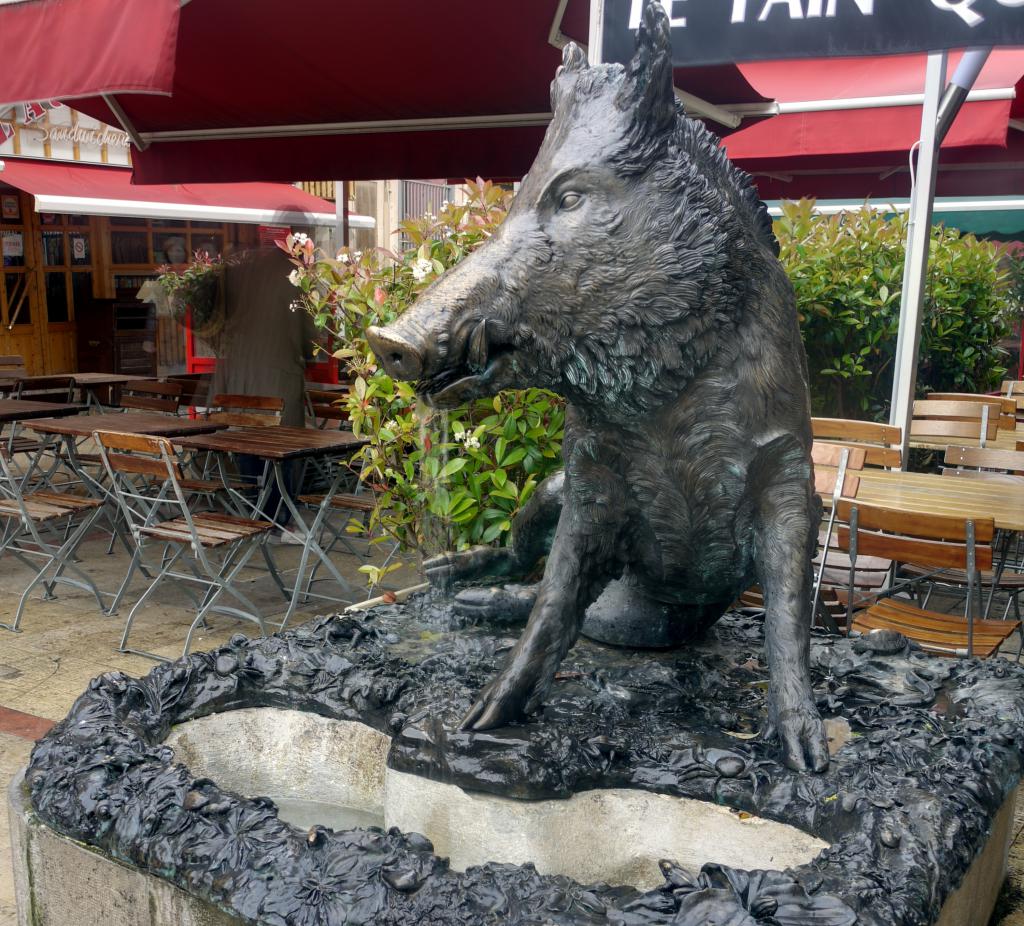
{"points": [[334, 772], [286, 781]]}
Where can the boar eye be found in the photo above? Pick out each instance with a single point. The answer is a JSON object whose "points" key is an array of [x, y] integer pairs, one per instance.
{"points": [[570, 201]]}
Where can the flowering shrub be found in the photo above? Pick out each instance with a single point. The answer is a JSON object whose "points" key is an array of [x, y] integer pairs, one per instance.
{"points": [[443, 480]]}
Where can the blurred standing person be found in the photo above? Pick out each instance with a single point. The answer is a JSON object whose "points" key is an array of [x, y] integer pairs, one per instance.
{"points": [[264, 347], [265, 344]]}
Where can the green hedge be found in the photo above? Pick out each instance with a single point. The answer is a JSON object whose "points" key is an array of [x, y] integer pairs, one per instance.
{"points": [[848, 272]]}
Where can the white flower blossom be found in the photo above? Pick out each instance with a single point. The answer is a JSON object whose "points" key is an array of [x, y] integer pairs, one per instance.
{"points": [[420, 268], [299, 239], [294, 277], [358, 255], [472, 443], [343, 257], [295, 305]]}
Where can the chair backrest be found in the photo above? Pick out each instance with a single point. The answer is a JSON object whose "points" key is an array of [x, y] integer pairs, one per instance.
{"points": [[828, 459], [146, 477], [60, 388], [13, 363], [152, 396], [1012, 387], [1004, 408], [195, 389], [934, 541], [248, 411], [326, 406], [880, 441], [936, 420]]}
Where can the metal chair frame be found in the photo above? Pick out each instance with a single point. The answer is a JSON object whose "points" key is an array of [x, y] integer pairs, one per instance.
{"points": [[135, 464], [54, 539]]}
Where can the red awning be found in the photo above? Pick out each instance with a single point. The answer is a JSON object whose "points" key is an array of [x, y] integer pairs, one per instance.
{"points": [[78, 48], [91, 190], [414, 91], [843, 112]]}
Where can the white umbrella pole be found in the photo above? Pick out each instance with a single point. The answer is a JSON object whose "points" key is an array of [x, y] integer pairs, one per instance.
{"points": [[595, 35], [918, 241]]}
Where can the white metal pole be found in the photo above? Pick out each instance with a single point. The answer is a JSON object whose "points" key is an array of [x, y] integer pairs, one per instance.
{"points": [[916, 268], [595, 35]]}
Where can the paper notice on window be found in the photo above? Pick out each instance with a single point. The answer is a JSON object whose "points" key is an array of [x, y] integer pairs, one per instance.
{"points": [[13, 244]]}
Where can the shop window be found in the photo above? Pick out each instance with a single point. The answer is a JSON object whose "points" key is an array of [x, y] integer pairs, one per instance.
{"points": [[53, 249], [10, 208], [19, 306], [12, 247], [211, 244], [81, 291], [57, 296], [129, 247]]}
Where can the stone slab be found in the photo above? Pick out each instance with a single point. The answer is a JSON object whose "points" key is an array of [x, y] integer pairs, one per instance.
{"points": [[60, 882]]}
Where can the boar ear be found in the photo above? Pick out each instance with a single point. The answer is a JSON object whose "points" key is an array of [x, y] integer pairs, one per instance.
{"points": [[650, 71], [574, 58]]}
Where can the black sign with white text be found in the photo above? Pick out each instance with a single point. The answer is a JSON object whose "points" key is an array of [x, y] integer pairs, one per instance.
{"points": [[720, 31]]}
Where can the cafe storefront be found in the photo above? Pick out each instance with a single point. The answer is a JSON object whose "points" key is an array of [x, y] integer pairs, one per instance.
{"points": [[78, 240]]}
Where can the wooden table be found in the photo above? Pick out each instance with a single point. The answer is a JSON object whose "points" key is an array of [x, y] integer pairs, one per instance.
{"points": [[87, 382], [275, 443], [23, 409], [278, 446], [150, 423], [927, 493]]}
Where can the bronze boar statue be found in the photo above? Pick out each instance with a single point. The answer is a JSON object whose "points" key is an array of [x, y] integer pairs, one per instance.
{"points": [[637, 275]]}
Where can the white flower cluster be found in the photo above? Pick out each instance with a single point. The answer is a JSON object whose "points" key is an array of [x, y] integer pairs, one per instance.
{"points": [[295, 277], [299, 239], [421, 268], [467, 438], [295, 305]]}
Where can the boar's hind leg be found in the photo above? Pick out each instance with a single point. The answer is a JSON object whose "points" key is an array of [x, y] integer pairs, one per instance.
{"points": [[572, 580], [786, 526]]}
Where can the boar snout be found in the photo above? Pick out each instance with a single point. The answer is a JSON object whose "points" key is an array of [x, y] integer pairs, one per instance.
{"points": [[400, 358]]}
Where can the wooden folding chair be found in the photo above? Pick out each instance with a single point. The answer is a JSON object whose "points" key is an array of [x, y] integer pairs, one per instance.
{"points": [[12, 369], [47, 526], [195, 390], [246, 411], [932, 543], [880, 442], [327, 409], [151, 396], [1004, 407], [1005, 466], [146, 478], [942, 422]]}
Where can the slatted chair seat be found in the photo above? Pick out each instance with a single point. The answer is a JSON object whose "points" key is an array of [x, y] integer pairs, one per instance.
{"points": [[23, 445], [47, 506], [212, 530], [213, 485], [943, 634], [344, 501]]}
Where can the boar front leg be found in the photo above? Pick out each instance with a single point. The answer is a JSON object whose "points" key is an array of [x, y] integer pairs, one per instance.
{"points": [[572, 580], [786, 528]]}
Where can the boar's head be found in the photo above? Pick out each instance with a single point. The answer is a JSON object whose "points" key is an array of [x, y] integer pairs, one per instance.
{"points": [[623, 263]]}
